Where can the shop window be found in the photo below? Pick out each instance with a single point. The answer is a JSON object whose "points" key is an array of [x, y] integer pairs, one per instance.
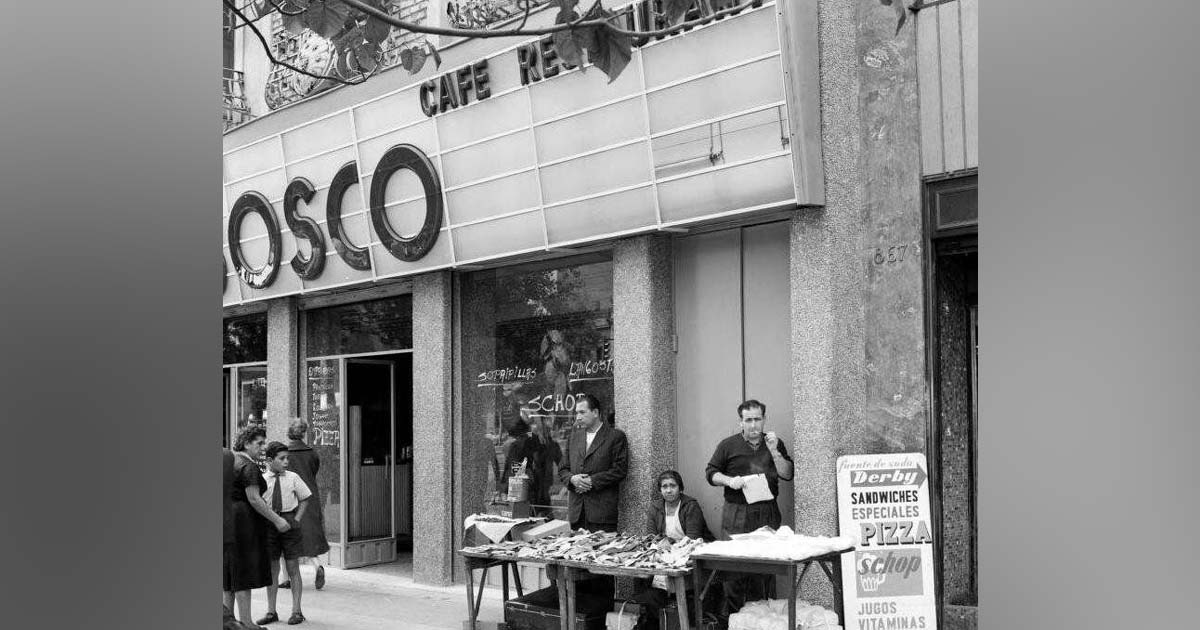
{"points": [[533, 339], [245, 339], [251, 397], [360, 328]]}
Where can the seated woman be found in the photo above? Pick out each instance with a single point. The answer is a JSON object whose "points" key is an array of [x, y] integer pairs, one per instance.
{"points": [[674, 515]]}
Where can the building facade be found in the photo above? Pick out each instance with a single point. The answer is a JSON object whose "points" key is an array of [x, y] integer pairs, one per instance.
{"points": [[429, 267]]}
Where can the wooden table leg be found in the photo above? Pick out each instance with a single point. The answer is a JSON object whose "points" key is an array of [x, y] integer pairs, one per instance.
{"points": [[517, 578], [681, 602], [504, 577], [698, 592], [559, 577], [471, 612], [791, 577], [833, 570], [571, 592]]}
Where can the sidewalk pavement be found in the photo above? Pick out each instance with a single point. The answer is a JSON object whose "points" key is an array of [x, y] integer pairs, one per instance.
{"points": [[377, 598]]}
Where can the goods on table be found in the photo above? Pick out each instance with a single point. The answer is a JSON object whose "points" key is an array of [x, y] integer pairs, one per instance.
{"points": [[602, 548], [496, 528], [772, 615], [781, 544]]}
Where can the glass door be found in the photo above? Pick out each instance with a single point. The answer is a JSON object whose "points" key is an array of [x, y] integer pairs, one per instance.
{"points": [[370, 472], [226, 380]]}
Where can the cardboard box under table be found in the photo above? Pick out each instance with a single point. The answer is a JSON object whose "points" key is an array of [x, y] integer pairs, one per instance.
{"points": [[570, 572], [790, 569]]}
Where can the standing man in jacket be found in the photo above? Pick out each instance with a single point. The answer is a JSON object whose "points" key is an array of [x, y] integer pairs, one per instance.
{"points": [[596, 463]]}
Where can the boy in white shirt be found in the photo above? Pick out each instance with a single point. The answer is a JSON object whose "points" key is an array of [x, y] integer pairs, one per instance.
{"points": [[288, 496]]}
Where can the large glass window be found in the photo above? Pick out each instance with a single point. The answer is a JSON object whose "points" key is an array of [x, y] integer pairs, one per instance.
{"points": [[533, 339], [245, 339], [360, 328], [244, 354], [251, 404]]}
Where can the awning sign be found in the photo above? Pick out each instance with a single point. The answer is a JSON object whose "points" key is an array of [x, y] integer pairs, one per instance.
{"points": [[887, 583]]}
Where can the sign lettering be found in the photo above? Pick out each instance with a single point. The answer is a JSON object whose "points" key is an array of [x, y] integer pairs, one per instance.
{"points": [[888, 581]]}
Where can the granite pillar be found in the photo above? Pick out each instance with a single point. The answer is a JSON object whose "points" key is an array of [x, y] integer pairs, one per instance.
{"points": [[283, 366], [433, 436], [644, 365], [827, 291]]}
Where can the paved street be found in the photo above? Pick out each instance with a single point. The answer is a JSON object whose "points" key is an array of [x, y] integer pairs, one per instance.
{"points": [[379, 597]]}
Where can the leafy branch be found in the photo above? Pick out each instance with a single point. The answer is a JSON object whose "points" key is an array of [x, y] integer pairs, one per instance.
{"points": [[279, 62], [358, 28]]}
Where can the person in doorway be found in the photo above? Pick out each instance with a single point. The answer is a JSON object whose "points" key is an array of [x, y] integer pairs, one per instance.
{"points": [[597, 461], [288, 497], [304, 461], [250, 565], [546, 458], [677, 516], [749, 452]]}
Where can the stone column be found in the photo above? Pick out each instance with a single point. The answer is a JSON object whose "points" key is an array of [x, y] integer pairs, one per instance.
{"points": [[857, 319], [433, 437], [283, 366], [644, 365], [827, 293]]}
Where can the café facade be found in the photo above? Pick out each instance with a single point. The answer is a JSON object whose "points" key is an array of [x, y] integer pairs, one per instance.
{"points": [[424, 266]]}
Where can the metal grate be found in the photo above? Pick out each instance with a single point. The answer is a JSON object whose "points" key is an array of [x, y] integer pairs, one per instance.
{"points": [[233, 88]]}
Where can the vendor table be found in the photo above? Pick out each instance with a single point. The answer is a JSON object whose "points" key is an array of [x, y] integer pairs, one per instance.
{"points": [[791, 569], [476, 561], [570, 572]]}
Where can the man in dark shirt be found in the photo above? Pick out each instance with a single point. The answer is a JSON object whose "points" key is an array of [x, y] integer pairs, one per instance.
{"points": [[750, 452]]}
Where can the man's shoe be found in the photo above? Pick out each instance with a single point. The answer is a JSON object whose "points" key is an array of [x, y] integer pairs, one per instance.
{"points": [[320, 581], [296, 618], [285, 584], [270, 618]]}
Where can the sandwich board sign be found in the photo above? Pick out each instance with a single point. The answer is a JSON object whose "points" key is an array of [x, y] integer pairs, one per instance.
{"points": [[887, 582]]}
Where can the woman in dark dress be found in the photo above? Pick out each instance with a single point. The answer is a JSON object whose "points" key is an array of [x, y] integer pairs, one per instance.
{"points": [[249, 566], [304, 461]]}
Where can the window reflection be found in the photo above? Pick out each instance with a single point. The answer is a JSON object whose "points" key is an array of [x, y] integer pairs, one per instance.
{"points": [[533, 339], [363, 327]]}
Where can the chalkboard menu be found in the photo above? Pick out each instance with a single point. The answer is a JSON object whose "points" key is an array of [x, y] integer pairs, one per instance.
{"points": [[324, 404]]}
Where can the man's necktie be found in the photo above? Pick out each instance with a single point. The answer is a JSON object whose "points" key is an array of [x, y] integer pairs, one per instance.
{"points": [[277, 495]]}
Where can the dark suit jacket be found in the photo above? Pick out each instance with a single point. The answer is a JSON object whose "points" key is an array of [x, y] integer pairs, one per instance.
{"points": [[607, 462], [228, 534]]}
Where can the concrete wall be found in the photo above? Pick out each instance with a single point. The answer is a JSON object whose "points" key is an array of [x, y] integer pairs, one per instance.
{"points": [[433, 437], [858, 349], [283, 366], [645, 369]]}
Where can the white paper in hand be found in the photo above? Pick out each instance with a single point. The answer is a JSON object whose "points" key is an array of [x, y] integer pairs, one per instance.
{"points": [[756, 488]]}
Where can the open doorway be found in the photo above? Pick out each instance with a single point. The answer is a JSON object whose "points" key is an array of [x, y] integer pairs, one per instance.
{"points": [[379, 437]]}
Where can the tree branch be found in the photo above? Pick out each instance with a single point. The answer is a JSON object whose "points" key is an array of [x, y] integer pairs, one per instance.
{"points": [[387, 18], [287, 13], [267, 49]]}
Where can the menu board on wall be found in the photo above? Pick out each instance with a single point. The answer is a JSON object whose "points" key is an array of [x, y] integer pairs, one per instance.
{"points": [[888, 581], [324, 384]]}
